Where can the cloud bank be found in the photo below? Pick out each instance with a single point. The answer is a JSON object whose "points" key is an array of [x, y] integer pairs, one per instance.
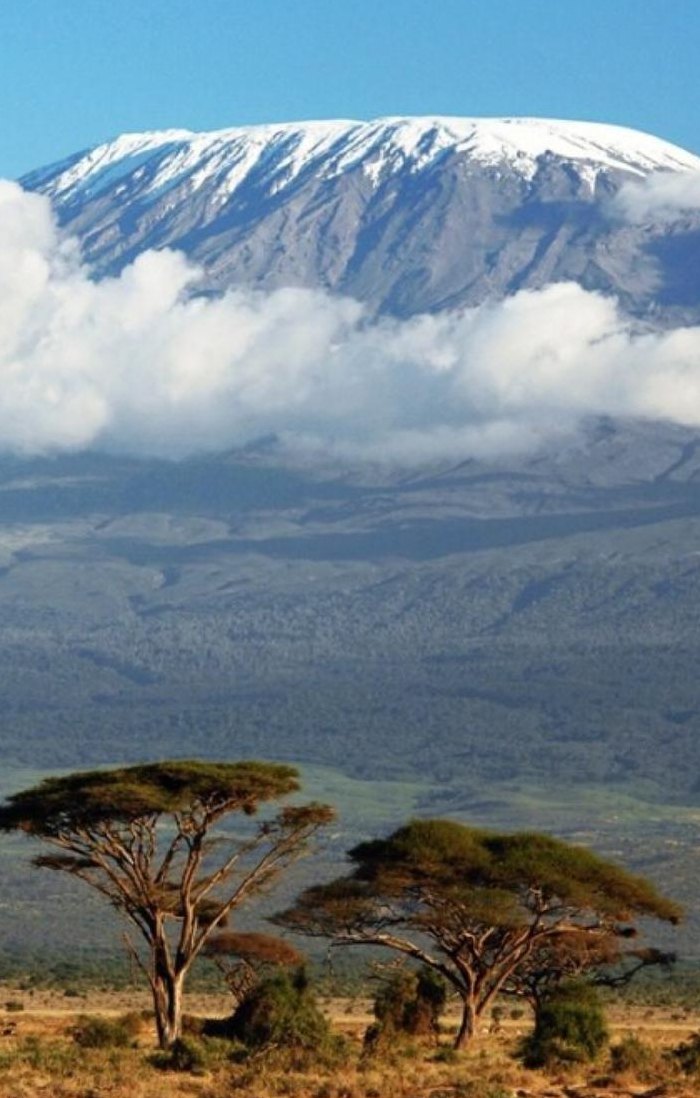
{"points": [[661, 196], [138, 364]]}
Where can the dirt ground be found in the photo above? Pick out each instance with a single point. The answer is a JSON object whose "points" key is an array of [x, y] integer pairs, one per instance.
{"points": [[350, 1015]]}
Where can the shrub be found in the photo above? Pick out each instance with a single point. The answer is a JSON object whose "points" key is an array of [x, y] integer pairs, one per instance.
{"points": [[186, 1055], [631, 1055], [687, 1055], [13, 1006], [52, 1058], [92, 1031], [569, 1027], [281, 1011], [409, 1004]]}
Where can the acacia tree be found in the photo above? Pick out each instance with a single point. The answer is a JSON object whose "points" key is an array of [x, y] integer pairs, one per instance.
{"points": [[473, 905], [246, 958], [148, 838], [602, 957]]}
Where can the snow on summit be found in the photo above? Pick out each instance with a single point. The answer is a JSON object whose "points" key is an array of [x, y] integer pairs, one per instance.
{"points": [[279, 154], [406, 215]]}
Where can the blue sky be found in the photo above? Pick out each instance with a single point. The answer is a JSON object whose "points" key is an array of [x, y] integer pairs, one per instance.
{"points": [[74, 72]]}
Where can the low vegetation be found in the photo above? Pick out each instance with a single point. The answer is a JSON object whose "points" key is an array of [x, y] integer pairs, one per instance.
{"points": [[409, 1004], [43, 1053], [569, 1027]]}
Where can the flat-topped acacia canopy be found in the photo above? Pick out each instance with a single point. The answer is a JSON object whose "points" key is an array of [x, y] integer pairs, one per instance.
{"points": [[94, 797], [458, 861], [475, 905], [176, 884]]}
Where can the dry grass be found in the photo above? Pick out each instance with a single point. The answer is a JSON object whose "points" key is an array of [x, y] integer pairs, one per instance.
{"points": [[38, 1056]]}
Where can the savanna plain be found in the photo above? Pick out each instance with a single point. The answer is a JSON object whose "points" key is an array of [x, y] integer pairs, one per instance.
{"points": [[44, 1049]]}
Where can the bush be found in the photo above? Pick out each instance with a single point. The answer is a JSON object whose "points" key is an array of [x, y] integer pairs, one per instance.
{"points": [[52, 1058], [92, 1031], [14, 1006], [632, 1055], [687, 1055], [409, 1004], [186, 1055], [569, 1027], [281, 1011]]}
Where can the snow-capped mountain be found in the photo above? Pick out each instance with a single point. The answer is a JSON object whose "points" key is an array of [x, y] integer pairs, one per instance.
{"points": [[408, 214]]}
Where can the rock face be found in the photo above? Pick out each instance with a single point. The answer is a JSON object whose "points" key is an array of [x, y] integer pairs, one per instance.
{"points": [[407, 215]]}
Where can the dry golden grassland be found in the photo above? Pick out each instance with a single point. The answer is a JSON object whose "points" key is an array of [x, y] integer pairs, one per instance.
{"points": [[40, 1056]]}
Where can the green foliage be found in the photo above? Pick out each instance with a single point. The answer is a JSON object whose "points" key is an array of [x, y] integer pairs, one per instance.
{"points": [[94, 1031], [487, 876], [487, 871], [569, 1027], [53, 1059], [186, 1055], [431, 990], [93, 797], [281, 1011], [687, 1055], [632, 1055], [408, 1004]]}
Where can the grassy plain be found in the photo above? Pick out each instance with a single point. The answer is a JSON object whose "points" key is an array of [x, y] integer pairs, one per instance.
{"points": [[39, 1055]]}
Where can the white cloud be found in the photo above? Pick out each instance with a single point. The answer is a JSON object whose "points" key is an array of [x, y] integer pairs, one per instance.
{"points": [[660, 196], [138, 364]]}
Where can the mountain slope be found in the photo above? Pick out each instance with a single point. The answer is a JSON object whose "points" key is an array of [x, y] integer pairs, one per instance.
{"points": [[514, 641], [406, 214], [528, 621], [514, 644]]}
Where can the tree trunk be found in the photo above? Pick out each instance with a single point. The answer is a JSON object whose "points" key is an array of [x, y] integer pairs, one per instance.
{"points": [[167, 1002], [467, 1028]]}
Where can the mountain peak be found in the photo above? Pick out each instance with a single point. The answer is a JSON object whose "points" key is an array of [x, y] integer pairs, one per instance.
{"points": [[406, 214], [379, 147]]}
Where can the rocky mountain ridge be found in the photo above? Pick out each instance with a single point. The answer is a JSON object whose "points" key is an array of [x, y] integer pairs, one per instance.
{"points": [[405, 214]]}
